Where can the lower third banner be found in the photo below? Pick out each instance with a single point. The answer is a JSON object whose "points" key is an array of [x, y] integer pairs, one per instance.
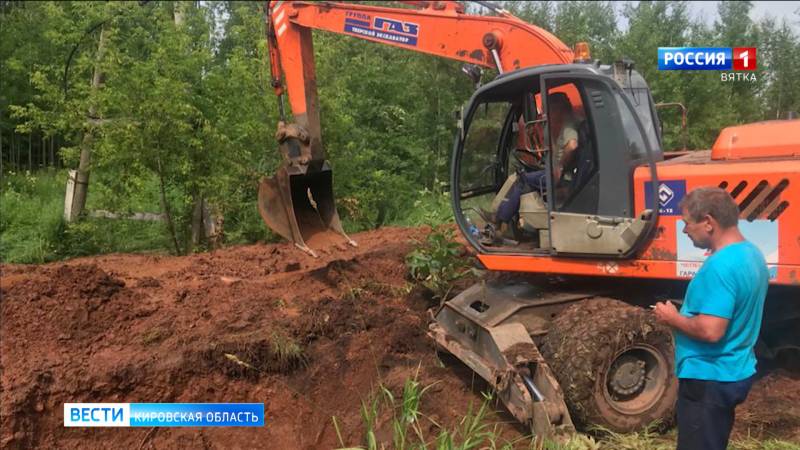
{"points": [[163, 414]]}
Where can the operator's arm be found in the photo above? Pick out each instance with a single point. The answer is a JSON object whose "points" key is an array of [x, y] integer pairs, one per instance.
{"points": [[567, 153], [702, 327]]}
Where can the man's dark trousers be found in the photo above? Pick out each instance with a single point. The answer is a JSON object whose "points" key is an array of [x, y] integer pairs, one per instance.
{"points": [[706, 410]]}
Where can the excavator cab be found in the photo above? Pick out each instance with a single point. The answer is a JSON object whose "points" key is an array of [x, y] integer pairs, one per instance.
{"points": [[581, 205], [584, 207]]}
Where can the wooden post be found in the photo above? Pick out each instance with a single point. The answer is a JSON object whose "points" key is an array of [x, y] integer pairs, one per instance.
{"points": [[69, 194], [197, 224], [213, 226]]}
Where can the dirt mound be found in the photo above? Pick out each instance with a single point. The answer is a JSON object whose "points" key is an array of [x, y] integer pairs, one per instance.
{"points": [[310, 338], [82, 281]]}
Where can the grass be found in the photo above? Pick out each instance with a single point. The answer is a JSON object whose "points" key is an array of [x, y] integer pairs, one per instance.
{"points": [[154, 336], [33, 230], [402, 418], [646, 439], [407, 422], [286, 352], [768, 444], [31, 222], [252, 354]]}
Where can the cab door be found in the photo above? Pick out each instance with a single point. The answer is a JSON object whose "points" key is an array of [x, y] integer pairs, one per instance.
{"points": [[591, 204]]}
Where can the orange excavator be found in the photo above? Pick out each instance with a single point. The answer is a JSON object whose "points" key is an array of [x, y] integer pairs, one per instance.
{"points": [[561, 333]]}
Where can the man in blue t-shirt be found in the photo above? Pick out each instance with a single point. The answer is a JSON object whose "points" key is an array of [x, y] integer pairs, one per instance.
{"points": [[718, 324]]}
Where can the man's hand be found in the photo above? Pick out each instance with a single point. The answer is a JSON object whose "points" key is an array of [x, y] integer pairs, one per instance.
{"points": [[567, 154], [666, 312], [702, 327]]}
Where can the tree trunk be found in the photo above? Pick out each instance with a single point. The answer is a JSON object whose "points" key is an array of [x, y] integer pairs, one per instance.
{"points": [[202, 211], [179, 13], [213, 225], [165, 208], [197, 224], [196, 235], [1, 156], [30, 151], [82, 178]]}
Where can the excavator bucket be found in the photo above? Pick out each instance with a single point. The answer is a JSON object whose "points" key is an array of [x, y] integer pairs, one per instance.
{"points": [[298, 203]]}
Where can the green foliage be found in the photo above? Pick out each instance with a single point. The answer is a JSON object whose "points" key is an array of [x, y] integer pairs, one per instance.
{"points": [[438, 262], [387, 146], [646, 439], [93, 236], [407, 422], [369, 415], [32, 229], [473, 431], [429, 208], [188, 108], [31, 222], [591, 22], [751, 443], [572, 442]]}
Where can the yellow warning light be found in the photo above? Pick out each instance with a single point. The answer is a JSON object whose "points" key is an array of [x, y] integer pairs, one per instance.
{"points": [[582, 54]]}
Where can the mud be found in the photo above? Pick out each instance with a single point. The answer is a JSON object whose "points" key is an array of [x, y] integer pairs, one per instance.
{"points": [[309, 338]]}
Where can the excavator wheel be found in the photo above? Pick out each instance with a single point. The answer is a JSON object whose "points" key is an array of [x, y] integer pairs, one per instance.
{"points": [[614, 363]]}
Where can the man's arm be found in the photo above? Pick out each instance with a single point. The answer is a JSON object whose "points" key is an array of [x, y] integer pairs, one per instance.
{"points": [[702, 327], [566, 157]]}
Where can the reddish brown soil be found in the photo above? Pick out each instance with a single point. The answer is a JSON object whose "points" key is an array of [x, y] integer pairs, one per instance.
{"points": [[772, 408], [139, 328], [136, 328]]}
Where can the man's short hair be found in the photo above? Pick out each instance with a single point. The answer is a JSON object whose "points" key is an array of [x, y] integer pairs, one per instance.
{"points": [[559, 100], [714, 202]]}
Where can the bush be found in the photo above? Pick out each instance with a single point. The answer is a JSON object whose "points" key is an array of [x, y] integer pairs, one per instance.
{"points": [[438, 262], [32, 227], [93, 236], [430, 208], [31, 222]]}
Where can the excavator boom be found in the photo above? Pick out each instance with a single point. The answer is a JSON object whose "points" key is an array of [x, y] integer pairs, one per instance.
{"points": [[298, 202]]}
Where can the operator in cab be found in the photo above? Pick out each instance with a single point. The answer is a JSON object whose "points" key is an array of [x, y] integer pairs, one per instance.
{"points": [[564, 126]]}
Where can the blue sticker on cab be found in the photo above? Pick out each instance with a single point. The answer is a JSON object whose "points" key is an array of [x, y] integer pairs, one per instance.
{"points": [[670, 193]]}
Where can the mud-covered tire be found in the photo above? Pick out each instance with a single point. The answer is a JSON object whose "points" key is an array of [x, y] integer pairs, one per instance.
{"points": [[614, 363]]}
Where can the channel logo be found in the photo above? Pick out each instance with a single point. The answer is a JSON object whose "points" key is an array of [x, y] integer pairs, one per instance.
{"points": [[707, 58], [163, 414]]}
